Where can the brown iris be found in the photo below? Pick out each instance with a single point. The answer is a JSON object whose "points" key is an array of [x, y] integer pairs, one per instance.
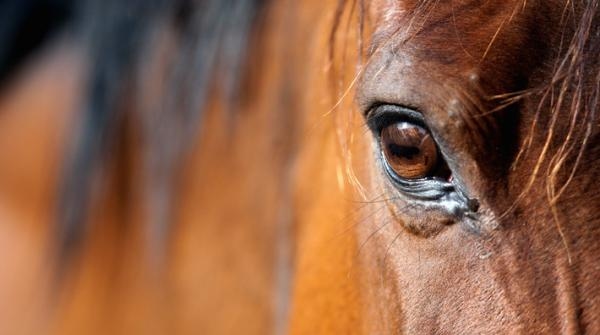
{"points": [[409, 150]]}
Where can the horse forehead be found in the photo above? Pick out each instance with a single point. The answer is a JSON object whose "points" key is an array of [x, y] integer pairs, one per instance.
{"points": [[495, 40], [463, 16]]}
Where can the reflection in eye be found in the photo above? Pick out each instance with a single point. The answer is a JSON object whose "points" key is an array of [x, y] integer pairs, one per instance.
{"points": [[409, 150]]}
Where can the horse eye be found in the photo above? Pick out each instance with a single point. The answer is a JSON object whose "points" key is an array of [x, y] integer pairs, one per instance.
{"points": [[409, 150]]}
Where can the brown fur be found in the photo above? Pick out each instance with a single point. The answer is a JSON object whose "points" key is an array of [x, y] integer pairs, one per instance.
{"points": [[522, 273], [282, 219]]}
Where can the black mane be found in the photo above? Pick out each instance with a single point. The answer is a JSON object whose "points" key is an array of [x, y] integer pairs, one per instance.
{"points": [[211, 35]]}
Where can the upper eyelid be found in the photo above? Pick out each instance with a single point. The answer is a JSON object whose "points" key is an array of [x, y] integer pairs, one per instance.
{"points": [[381, 115], [373, 106]]}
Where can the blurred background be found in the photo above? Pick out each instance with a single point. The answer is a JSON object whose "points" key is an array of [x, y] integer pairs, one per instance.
{"points": [[157, 157]]}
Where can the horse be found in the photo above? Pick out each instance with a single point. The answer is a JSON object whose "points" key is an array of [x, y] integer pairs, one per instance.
{"points": [[287, 167]]}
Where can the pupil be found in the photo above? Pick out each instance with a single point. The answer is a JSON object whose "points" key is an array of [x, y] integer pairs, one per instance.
{"points": [[407, 152]]}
